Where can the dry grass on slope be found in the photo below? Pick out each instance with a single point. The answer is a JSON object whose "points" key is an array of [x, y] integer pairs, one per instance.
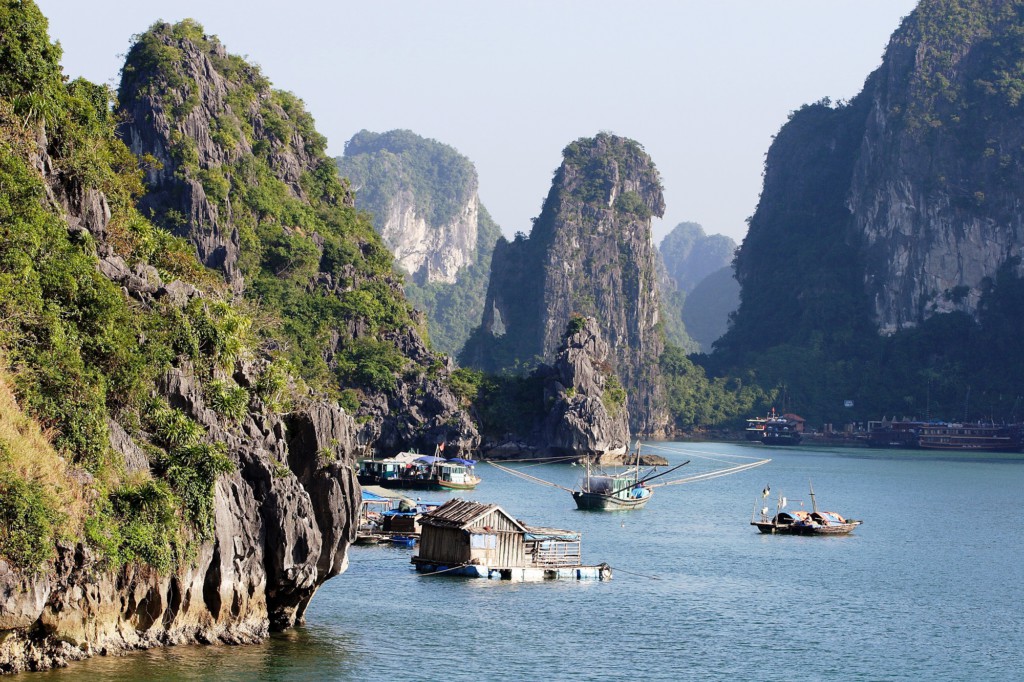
{"points": [[27, 453]]}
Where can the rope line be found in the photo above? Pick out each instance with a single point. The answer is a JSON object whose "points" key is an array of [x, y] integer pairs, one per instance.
{"points": [[445, 570], [642, 575]]}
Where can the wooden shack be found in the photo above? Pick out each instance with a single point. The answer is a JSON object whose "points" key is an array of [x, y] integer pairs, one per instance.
{"points": [[483, 540]]}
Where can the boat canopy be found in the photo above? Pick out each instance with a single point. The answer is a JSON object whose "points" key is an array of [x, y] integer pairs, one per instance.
{"points": [[601, 484], [386, 493], [430, 459], [465, 462], [406, 457]]}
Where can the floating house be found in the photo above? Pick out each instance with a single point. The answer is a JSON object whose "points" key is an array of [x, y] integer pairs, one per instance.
{"points": [[482, 540]]}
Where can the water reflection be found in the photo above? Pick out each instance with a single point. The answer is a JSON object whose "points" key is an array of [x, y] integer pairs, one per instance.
{"points": [[306, 653]]}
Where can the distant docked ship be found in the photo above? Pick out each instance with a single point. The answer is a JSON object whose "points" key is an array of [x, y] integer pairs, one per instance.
{"points": [[938, 435], [775, 429]]}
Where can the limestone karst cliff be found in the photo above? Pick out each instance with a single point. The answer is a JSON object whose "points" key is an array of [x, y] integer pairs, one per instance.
{"points": [[689, 256], [903, 202], [423, 197], [707, 308], [589, 253], [194, 481], [242, 170], [588, 414], [424, 201], [575, 406]]}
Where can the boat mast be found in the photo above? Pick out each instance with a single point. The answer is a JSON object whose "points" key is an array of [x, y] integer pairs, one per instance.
{"points": [[586, 481], [814, 504], [636, 470]]}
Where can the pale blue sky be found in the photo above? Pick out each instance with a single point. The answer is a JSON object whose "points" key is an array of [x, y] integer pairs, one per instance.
{"points": [[702, 84]]}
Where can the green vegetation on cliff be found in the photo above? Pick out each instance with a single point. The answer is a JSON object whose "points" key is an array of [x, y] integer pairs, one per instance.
{"points": [[454, 310], [293, 231], [442, 181], [76, 350]]}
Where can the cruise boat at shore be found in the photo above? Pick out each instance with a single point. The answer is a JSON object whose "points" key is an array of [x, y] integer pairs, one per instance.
{"points": [[775, 429], [938, 435]]}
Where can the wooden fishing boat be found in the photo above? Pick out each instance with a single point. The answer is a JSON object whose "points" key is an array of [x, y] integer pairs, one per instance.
{"points": [[633, 488], [601, 491], [457, 474], [800, 521], [610, 493]]}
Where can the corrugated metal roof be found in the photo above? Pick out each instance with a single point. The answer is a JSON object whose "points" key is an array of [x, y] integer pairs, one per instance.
{"points": [[462, 514]]}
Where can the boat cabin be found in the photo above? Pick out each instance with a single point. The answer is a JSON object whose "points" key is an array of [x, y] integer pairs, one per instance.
{"points": [[482, 540]]}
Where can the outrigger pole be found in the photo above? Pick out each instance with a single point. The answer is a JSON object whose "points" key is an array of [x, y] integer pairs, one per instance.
{"points": [[714, 474], [528, 477], [669, 471]]}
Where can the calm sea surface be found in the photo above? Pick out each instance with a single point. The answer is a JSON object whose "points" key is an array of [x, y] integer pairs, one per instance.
{"points": [[931, 586]]}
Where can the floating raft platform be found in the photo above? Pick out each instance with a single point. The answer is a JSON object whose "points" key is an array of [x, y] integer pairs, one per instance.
{"points": [[483, 541]]}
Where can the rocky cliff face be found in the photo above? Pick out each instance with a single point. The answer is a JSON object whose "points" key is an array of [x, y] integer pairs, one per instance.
{"points": [[935, 189], [219, 505], [581, 405], [423, 196], [431, 254], [913, 187], [283, 519], [690, 254], [242, 171], [589, 253], [425, 205], [588, 414], [707, 308]]}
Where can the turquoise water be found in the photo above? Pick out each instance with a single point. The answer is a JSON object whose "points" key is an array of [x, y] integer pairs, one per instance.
{"points": [[930, 587]]}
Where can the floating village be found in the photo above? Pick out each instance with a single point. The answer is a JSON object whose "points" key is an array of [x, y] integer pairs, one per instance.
{"points": [[462, 537]]}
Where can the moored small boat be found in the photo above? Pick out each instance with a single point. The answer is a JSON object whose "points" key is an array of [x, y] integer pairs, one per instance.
{"points": [[600, 490], [404, 540], [800, 521], [411, 471], [610, 493]]}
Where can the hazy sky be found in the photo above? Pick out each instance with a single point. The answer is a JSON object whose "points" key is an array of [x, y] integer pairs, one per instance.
{"points": [[701, 84]]}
